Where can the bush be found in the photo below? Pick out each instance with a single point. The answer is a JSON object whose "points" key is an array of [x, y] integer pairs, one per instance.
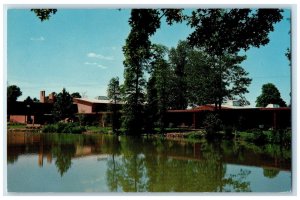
{"points": [[63, 128], [60, 127], [287, 137], [51, 128], [195, 135], [258, 136], [212, 124]]}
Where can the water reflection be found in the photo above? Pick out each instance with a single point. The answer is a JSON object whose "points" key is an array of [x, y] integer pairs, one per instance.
{"points": [[154, 165], [159, 169]]}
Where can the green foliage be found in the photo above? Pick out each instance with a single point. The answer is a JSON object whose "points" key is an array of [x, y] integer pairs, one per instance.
{"points": [[13, 92], [178, 58], [63, 106], [98, 129], [113, 90], [151, 108], [114, 94], [87, 120], [63, 128], [161, 72], [222, 33], [270, 95], [144, 23], [44, 14], [63, 154], [194, 135], [271, 173], [75, 95], [50, 128], [260, 137], [230, 30], [286, 137], [212, 124], [13, 125], [211, 81]]}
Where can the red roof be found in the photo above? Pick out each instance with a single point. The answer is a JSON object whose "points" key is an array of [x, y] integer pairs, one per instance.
{"points": [[212, 108], [209, 107], [200, 108]]}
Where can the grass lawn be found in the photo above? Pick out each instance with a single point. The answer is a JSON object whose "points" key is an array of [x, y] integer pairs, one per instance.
{"points": [[16, 126], [98, 129]]}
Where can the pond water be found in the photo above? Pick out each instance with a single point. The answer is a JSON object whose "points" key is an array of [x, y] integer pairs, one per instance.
{"points": [[103, 163]]}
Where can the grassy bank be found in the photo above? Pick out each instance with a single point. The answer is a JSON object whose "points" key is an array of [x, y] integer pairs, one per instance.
{"points": [[255, 136], [15, 126], [75, 128]]}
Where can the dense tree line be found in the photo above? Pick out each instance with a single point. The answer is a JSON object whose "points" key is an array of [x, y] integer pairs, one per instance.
{"points": [[218, 33], [218, 36]]}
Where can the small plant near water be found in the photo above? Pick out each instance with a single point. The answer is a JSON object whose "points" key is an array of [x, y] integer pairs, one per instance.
{"points": [[63, 128], [195, 135], [260, 137]]}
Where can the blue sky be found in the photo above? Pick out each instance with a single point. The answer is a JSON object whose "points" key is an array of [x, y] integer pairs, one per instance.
{"points": [[81, 50]]}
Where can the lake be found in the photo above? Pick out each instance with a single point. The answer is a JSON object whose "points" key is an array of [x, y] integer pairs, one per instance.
{"points": [[105, 163]]}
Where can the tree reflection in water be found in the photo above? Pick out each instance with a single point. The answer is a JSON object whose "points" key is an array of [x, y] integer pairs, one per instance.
{"points": [[63, 154], [154, 168], [156, 165], [271, 173]]}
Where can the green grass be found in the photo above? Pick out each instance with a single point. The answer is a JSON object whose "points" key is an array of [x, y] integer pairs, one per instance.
{"points": [[15, 126], [98, 129]]}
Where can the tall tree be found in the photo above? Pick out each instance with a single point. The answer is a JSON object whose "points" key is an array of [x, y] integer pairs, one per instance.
{"points": [[270, 95], [246, 27], [178, 58], [63, 106], [221, 31], [144, 23], [209, 82], [151, 109], [13, 92], [199, 79], [158, 88], [114, 94]]}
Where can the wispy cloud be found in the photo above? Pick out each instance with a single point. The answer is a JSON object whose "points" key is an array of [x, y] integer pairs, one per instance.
{"points": [[95, 64], [99, 56], [41, 38], [91, 63]]}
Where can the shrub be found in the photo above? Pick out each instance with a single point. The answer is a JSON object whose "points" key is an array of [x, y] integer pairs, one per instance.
{"points": [[77, 129], [60, 127], [287, 137], [63, 128], [51, 128], [212, 124], [195, 135]]}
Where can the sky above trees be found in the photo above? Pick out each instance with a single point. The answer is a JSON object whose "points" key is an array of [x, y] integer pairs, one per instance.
{"points": [[81, 50]]}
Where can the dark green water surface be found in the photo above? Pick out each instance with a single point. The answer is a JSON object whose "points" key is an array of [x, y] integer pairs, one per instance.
{"points": [[103, 163]]}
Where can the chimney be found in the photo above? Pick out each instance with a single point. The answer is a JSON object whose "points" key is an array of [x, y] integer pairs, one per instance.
{"points": [[42, 97]]}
